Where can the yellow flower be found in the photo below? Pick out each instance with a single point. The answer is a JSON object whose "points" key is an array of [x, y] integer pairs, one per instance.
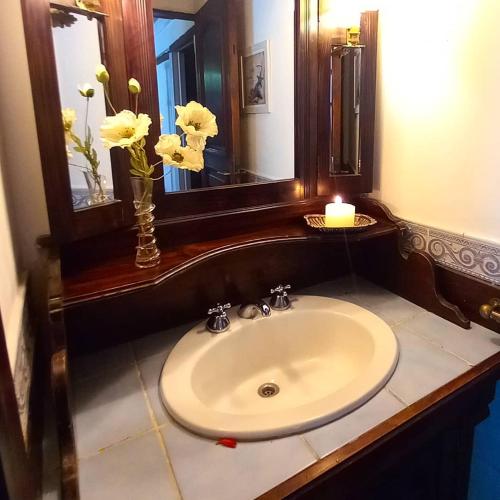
{"points": [[134, 87], [195, 119], [197, 142], [101, 74], [173, 154], [124, 129], [86, 90], [88, 4], [68, 119]]}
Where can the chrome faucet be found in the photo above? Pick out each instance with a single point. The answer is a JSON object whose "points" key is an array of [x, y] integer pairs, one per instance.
{"points": [[280, 301], [250, 311], [218, 321]]}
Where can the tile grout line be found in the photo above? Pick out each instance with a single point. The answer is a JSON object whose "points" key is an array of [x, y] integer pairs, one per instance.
{"points": [[394, 395], [438, 345], [156, 427], [111, 446], [310, 447]]}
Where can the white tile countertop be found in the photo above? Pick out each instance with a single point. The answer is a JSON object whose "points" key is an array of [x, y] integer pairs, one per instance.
{"points": [[128, 447]]}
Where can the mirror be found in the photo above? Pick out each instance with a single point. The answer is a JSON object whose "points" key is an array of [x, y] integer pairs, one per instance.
{"points": [[237, 59], [345, 94], [77, 37]]}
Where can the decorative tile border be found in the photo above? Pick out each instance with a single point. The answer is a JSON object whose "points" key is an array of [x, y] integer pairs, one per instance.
{"points": [[468, 255]]}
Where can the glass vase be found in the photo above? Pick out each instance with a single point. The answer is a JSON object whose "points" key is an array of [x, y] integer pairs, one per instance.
{"points": [[148, 254], [97, 188]]}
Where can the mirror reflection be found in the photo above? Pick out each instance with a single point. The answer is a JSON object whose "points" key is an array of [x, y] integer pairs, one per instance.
{"points": [[77, 37], [345, 110], [237, 59]]}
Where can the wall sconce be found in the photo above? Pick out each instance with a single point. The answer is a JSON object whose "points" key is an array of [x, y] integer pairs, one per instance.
{"points": [[342, 17]]}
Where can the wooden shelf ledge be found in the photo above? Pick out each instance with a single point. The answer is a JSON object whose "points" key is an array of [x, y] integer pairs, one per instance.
{"points": [[118, 275]]}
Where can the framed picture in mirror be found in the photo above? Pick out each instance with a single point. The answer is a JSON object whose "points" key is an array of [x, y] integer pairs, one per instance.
{"points": [[255, 71]]}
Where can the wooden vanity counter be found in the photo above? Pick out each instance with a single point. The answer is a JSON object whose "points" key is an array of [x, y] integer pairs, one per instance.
{"points": [[88, 280]]}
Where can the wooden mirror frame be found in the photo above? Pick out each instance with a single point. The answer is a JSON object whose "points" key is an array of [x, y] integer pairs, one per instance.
{"points": [[362, 182], [66, 224], [131, 20], [129, 23]]}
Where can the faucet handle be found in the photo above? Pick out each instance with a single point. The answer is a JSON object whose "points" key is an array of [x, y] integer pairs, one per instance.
{"points": [[281, 289], [279, 298], [218, 321], [219, 309]]}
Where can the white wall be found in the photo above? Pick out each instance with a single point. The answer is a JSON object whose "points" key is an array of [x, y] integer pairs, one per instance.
{"points": [[438, 103], [13, 282], [23, 213], [268, 139]]}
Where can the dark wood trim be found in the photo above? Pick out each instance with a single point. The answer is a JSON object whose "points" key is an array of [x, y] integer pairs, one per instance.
{"points": [[170, 14], [164, 56], [468, 292], [183, 40], [59, 378], [114, 273], [422, 411], [411, 276], [306, 92], [62, 407], [16, 468], [186, 256], [348, 185], [65, 223]]}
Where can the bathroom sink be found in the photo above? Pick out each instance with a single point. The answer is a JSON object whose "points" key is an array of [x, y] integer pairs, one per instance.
{"points": [[286, 373]]}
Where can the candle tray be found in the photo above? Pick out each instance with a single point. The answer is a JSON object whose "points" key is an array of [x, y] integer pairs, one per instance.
{"points": [[361, 223]]}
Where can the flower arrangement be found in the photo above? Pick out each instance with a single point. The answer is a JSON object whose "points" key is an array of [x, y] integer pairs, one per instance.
{"points": [[129, 129], [85, 147]]}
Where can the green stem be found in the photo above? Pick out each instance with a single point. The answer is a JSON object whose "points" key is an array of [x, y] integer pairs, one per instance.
{"points": [[87, 114], [106, 95]]}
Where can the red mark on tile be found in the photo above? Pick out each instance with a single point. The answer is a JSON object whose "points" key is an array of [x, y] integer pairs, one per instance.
{"points": [[228, 442]]}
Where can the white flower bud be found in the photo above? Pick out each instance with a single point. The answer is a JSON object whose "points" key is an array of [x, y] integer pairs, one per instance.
{"points": [[101, 73], [134, 87]]}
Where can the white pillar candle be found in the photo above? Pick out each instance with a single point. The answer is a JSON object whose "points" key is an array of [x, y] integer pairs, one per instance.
{"points": [[339, 214]]}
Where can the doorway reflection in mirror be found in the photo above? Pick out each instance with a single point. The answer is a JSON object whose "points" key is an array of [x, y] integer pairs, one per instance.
{"points": [[201, 52]]}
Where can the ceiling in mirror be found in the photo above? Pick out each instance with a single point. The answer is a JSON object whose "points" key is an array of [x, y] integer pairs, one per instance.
{"points": [[77, 37], [237, 59]]}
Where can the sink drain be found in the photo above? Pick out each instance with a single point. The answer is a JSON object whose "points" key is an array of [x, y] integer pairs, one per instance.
{"points": [[268, 390]]}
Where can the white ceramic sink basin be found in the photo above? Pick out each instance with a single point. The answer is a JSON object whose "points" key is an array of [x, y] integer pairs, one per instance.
{"points": [[327, 357]]}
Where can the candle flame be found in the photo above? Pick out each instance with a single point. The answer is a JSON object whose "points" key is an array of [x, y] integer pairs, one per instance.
{"points": [[338, 199]]}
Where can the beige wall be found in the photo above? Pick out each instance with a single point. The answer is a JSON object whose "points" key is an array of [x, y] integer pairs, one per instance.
{"points": [[268, 139], [438, 103], [23, 213]]}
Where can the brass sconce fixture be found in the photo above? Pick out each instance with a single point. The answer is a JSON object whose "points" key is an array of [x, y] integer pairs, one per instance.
{"points": [[353, 35], [343, 19]]}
